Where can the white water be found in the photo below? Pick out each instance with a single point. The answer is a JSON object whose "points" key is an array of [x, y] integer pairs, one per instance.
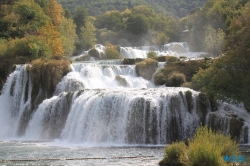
{"points": [[177, 49], [101, 102]]}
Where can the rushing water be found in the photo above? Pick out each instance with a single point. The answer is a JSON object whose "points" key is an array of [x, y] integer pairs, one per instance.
{"points": [[100, 112]]}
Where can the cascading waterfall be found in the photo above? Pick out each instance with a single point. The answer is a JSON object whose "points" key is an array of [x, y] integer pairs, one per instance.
{"points": [[15, 101], [116, 116], [106, 102]]}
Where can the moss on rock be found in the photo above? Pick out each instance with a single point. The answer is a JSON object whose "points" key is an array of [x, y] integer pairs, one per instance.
{"points": [[122, 81], [146, 68]]}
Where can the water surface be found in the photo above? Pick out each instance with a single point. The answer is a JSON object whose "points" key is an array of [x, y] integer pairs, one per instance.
{"points": [[46, 153]]}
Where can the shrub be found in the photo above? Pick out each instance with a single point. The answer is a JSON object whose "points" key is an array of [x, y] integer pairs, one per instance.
{"points": [[161, 58], [189, 68], [151, 54], [176, 151], [175, 79], [175, 154], [160, 77], [94, 53], [207, 148], [171, 59], [111, 52], [30, 46]]}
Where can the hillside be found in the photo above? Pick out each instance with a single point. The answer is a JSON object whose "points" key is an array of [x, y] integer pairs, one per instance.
{"points": [[177, 8]]}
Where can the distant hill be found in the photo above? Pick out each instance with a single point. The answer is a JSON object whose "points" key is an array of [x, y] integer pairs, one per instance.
{"points": [[177, 8]]}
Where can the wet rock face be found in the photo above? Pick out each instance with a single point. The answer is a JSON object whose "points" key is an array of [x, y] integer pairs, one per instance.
{"points": [[147, 68], [122, 81], [229, 123]]}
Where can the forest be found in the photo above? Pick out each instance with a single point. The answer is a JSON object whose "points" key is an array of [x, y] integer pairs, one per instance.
{"points": [[176, 8], [33, 29]]}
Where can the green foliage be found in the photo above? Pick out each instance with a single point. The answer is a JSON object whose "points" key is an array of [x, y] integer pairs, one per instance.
{"points": [[175, 154], [67, 31], [151, 54], [94, 53], [207, 148], [112, 20], [171, 59], [208, 26], [80, 18], [188, 68], [175, 79], [227, 78], [177, 8], [30, 46], [87, 37], [176, 150], [112, 53], [138, 24]]}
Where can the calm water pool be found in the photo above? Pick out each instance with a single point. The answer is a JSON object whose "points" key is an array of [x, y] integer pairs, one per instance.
{"points": [[46, 153]]}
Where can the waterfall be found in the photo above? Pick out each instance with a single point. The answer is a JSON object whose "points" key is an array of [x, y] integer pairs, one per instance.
{"points": [[179, 49], [15, 101], [106, 102], [144, 116]]}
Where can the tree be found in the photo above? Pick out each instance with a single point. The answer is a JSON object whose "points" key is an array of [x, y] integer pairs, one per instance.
{"points": [[111, 20], [228, 77], [55, 11], [88, 37], [67, 31], [49, 33], [138, 24], [80, 18]]}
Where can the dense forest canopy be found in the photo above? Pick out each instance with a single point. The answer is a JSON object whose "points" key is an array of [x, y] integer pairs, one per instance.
{"points": [[176, 8], [32, 29]]}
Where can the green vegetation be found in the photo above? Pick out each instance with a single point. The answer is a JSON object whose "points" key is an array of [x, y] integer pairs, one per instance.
{"points": [[137, 26], [177, 73], [207, 148], [43, 29], [178, 8], [175, 154], [111, 52], [228, 77], [152, 55]]}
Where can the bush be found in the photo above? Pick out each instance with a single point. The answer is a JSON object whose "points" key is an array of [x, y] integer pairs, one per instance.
{"points": [[175, 79], [207, 148], [161, 58], [176, 151], [30, 46], [151, 54], [175, 154], [111, 52], [171, 59], [94, 53], [160, 77]]}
